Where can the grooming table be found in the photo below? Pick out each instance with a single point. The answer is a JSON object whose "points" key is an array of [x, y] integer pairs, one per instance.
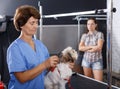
{"points": [[79, 81]]}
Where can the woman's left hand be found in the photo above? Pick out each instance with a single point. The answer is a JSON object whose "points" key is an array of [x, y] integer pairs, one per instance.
{"points": [[71, 64]]}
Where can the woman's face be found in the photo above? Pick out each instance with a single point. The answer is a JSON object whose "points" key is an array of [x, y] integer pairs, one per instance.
{"points": [[91, 25], [30, 27]]}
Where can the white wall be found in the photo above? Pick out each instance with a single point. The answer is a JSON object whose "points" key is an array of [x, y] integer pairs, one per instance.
{"points": [[116, 38]]}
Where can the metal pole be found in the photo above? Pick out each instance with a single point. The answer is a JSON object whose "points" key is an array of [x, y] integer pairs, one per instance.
{"points": [[96, 18], [78, 30], [39, 32], [72, 14], [92, 15], [109, 42]]}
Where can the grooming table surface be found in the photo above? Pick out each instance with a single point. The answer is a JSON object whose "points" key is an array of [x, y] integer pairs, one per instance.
{"points": [[79, 81]]}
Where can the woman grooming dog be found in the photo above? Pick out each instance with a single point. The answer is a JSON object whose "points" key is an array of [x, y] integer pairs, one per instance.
{"points": [[61, 74]]}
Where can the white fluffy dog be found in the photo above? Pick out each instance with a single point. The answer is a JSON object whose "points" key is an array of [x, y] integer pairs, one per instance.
{"points": [[58, 78]]}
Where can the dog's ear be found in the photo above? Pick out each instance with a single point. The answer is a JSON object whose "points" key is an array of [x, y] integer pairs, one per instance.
{"points": [[66, 58], [60, 54], [71, 59]]}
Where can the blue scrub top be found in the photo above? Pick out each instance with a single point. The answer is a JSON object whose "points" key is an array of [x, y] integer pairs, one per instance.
{"points": [[21, 57]]}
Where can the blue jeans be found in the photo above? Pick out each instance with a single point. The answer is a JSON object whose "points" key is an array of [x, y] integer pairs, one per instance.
{"points": [[97, 65]]}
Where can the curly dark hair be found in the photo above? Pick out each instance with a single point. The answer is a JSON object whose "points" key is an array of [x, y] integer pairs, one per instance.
{"points": [[23, 13]]}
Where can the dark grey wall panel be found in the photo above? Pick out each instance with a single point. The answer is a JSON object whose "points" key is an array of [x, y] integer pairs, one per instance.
{"points": [[8, 7], [67, 6], [58, 37]]}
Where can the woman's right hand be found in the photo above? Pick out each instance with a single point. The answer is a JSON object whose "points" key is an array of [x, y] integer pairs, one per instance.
{"points": [[52, 61]]}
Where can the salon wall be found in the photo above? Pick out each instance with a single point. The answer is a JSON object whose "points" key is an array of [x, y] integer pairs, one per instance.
{"points": [[7, 7], [116, 38]]}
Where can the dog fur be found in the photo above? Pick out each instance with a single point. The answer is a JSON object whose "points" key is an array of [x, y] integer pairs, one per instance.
{"points": [[58, 78]]}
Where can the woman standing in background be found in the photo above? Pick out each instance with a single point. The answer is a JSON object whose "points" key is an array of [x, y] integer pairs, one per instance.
{"points": [[91, 44]]}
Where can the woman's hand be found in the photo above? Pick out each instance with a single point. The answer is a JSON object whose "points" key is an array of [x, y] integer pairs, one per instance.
{"points": [[52, 61], [71, 65], [94, 49]]}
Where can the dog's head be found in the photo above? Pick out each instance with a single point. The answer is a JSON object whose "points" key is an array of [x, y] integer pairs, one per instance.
{"points": [[68, 55]]}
